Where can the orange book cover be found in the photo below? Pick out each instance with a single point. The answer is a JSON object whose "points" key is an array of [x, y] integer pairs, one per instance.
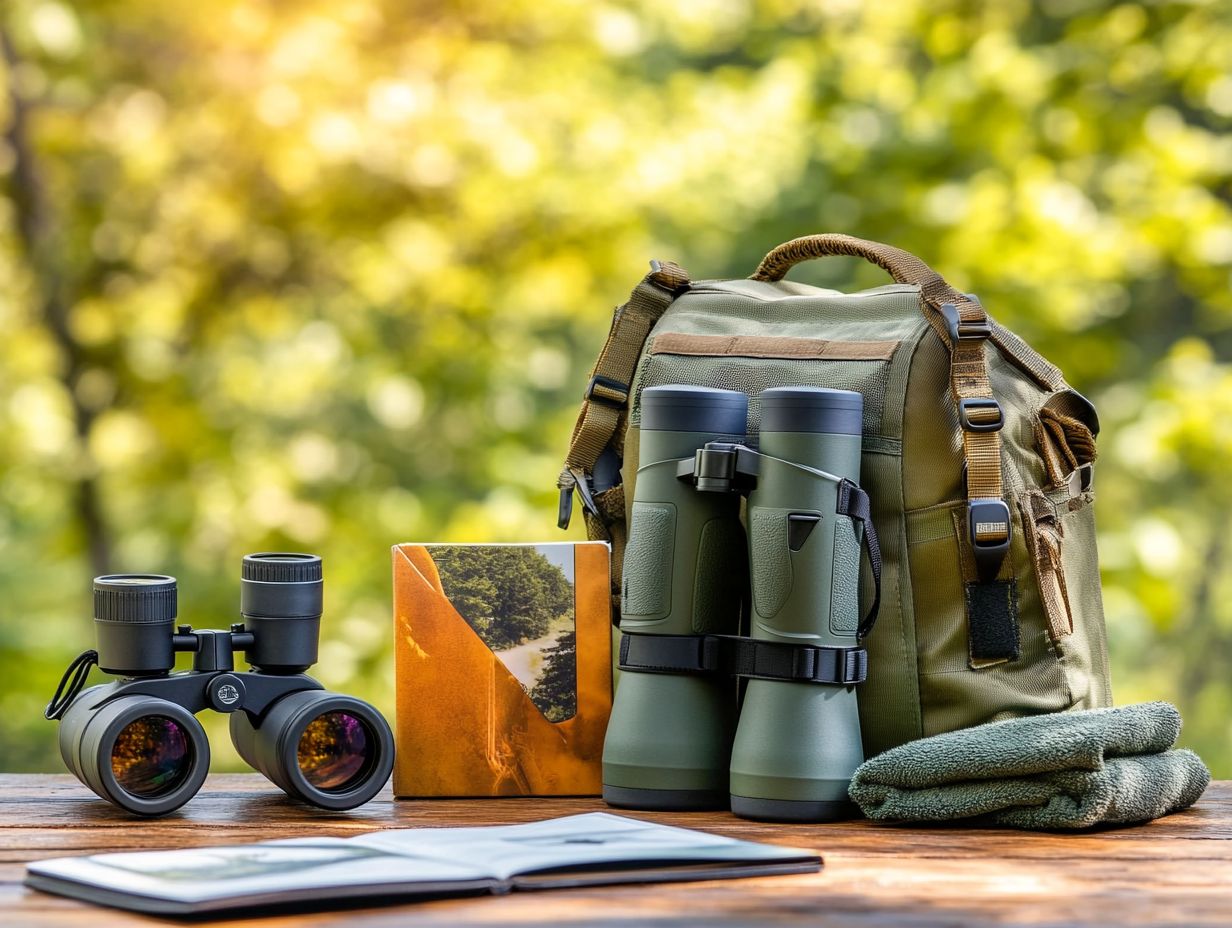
{"points": [[503, 664]]}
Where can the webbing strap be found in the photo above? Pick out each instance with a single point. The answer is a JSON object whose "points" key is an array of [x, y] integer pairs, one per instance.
{"points": [[732, 655], [669, 654], [1028, 360], [968, 330], [605, 405], [853, 502], [964, 326]]}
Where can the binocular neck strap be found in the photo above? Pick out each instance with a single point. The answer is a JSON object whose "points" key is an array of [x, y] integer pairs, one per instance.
{"points": [[72, 683]]}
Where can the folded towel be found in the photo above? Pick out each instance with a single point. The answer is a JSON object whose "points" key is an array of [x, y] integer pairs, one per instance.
{"points": [[1061, 771]]}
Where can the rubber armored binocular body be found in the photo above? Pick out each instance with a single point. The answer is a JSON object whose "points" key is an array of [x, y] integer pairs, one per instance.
{"points": [[136, 742], [685, 573], [797, 744], [331, 750], [147, 755]]}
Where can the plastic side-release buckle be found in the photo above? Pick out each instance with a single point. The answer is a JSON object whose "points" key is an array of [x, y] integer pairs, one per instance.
{"points": [[988, 523], [960, 330], [843, 666]]}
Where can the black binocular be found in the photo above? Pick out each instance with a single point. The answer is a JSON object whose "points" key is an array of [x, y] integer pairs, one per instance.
{"points": [[136, 741]]}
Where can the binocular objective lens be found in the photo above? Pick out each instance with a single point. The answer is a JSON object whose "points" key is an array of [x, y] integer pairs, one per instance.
{"points": [[151, 756], [335, 751]]}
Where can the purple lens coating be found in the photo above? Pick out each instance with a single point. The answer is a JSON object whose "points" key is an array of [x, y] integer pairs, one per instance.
{"points": [[152, 755], [334, 751]]}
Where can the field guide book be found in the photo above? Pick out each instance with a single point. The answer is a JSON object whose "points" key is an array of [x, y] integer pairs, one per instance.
{"points": [[577, 850]]}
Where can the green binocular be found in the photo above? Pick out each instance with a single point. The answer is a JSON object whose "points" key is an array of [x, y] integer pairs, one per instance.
{"points": [[740, 656]]}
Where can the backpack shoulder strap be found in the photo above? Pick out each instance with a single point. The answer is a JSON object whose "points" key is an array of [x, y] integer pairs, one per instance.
{"points": [[605, 404]]}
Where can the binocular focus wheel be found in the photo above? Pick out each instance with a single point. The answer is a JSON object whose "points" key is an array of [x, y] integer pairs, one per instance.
{"points": [[331, 750], [146, 755]]}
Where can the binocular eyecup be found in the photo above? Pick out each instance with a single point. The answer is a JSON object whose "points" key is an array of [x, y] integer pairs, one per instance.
{"points": [[281, 602], [134, 620]]}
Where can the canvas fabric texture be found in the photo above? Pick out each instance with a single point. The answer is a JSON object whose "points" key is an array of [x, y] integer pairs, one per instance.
{"points": [[1067, 771], [950, 649]]}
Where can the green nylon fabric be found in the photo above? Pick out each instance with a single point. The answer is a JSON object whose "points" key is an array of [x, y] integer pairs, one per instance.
{"points": [[734, 373], [922, 680]]}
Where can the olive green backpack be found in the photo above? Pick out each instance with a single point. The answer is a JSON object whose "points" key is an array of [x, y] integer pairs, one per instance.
{"points": [[977, 455]]}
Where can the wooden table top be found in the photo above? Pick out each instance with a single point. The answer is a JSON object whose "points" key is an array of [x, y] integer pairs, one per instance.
{"points": [[1174, 871]]}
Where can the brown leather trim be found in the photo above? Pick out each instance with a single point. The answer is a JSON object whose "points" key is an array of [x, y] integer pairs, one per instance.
{"points": [[763, 346]]}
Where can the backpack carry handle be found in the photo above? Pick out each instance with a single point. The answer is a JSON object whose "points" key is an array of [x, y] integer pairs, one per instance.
{"points": [[903, 266], [961, 322]]}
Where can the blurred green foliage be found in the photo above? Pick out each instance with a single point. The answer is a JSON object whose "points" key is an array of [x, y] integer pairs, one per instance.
{"points": [[328, 274]]}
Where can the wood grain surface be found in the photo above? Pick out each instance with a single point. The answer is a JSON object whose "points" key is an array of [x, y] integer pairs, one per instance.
{"points": [[1177, 871]]}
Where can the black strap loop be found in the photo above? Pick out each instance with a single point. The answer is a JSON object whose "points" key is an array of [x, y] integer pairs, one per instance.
{"points": [[68, 689], [853, 502], [734, 655]]}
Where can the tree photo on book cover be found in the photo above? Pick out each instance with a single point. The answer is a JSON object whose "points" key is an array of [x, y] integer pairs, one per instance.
{"points": [[522, 606], [503, 668]]}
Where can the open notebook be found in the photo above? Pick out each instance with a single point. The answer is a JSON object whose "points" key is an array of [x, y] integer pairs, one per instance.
{"points": [[578, 850]]}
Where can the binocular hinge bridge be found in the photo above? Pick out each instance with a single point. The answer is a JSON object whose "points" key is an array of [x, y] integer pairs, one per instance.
{"points": [[721, 467]]}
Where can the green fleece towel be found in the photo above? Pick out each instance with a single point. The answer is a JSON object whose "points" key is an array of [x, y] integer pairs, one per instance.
{"points": [[1067, 770]]}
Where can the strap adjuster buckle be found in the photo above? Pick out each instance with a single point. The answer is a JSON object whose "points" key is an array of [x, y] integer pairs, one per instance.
{"points": [[988, 525], [980, 414], [963, 331], [615, 394], [841, 666]]}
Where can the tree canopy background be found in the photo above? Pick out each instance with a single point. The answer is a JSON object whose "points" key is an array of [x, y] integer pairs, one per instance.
{"points": [[508, 595], [328, 275]]}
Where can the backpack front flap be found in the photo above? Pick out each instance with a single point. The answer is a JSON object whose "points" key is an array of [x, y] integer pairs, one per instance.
{"points": [[962, 448]]}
